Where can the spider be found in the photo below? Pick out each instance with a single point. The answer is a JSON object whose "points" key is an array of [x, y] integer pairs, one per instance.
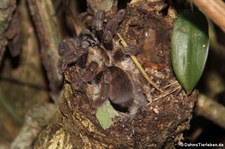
{"points": [[93, 55]]}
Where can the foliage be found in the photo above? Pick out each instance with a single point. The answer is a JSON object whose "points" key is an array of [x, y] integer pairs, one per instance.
{"points": [[190, 46]]}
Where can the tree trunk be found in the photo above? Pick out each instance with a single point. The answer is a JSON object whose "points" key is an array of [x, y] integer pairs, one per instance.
{"points": [[158, 124]]}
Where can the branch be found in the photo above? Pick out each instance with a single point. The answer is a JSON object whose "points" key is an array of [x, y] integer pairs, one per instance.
{"points": [[211, 110], [43, 15], [7, 8], [215, 10]]}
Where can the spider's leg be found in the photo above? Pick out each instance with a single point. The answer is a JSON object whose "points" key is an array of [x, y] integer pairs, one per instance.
{"points": [[69, 59], [73, 77], [100, 15], [113, 24], [70, 51], [131, 50], [104, 89], [111, 28], [107, 40], [121, 91], [88, 36], [86, 76], [125, 51], [67, 45], [120, 15], [90, 72], [98, 22], [109, 32]]}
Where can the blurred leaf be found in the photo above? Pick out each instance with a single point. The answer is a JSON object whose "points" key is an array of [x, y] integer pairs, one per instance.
{"points": [[105, 114], [190, 46]]}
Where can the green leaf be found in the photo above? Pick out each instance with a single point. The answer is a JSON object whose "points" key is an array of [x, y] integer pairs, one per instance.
{"points": [[190, 46], [105, 114]]}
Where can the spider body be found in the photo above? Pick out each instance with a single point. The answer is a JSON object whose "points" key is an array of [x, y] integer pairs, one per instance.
{"points": [[92, 54]]}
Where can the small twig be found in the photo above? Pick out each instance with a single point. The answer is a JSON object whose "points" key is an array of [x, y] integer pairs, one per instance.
{"points": [[169, 92], [134, 59], [214, 9], [211, 110]]}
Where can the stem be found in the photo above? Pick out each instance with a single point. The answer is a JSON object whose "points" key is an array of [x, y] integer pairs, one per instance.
{"points": [[46, 24], [215, 10], [211, 110]]}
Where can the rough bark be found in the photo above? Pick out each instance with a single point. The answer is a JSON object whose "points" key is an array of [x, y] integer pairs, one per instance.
{"points": [[49, 36], [6, 11], [22, 81], [158, 124]]}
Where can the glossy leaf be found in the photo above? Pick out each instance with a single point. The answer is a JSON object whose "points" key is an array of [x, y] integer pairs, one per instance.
{"points": [[190, 46]]}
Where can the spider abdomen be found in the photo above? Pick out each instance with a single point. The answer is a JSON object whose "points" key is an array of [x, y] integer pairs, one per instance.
{"points": [[121, 87]]}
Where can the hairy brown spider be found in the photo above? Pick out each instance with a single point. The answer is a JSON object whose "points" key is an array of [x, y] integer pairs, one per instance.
{"points": [[93, 55], [72, 49]]}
